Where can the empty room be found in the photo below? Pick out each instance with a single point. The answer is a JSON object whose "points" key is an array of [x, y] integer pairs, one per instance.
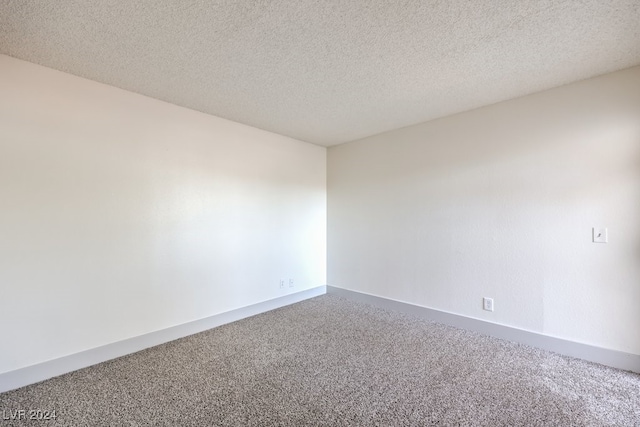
{"points": [[320, 213]]}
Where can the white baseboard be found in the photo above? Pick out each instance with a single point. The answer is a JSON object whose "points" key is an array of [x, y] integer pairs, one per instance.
{"points": [[52, 368], [613, 358]]}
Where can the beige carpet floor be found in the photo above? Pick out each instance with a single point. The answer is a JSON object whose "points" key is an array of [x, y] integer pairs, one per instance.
{"points": [[331, 362]]}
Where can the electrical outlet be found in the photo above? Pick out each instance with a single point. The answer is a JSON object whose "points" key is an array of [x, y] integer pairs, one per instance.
{"points": [[281, 283], [291, 283], [487, 304]]}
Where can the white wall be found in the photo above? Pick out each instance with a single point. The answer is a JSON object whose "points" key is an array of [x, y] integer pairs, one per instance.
{"points": [[500, 202], [121, 215]]}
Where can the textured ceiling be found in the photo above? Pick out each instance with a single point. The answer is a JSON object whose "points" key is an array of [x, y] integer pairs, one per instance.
{"points": [[328, 71]]}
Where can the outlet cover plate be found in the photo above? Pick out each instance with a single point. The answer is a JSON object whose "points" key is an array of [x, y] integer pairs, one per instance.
{"points": [[487, 304]]}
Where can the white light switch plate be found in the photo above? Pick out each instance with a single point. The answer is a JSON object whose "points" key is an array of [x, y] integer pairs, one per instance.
{"points": [[600, 235]]}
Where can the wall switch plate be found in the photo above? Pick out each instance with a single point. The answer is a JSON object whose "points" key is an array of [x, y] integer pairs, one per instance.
{"points": [[291, 283], [281, 283], [600, 235], [487, 304]]}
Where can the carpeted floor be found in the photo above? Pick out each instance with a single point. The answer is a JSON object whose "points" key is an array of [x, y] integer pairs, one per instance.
{"points": [[332, 362]]}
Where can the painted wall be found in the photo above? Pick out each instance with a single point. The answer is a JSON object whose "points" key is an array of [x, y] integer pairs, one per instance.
{"points": [[500, 202], [121, 215]]}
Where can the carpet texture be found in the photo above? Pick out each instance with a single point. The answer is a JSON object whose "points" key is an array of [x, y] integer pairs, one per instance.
{"points": [[332, 362]]}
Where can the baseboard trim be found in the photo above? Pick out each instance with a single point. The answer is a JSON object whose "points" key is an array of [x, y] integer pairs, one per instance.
{"points": [[613, 358], [52, 368]]}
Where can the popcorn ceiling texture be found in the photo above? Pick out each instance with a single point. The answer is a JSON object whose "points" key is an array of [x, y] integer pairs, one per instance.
{"points": [[326, 72], [332, 362]]}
